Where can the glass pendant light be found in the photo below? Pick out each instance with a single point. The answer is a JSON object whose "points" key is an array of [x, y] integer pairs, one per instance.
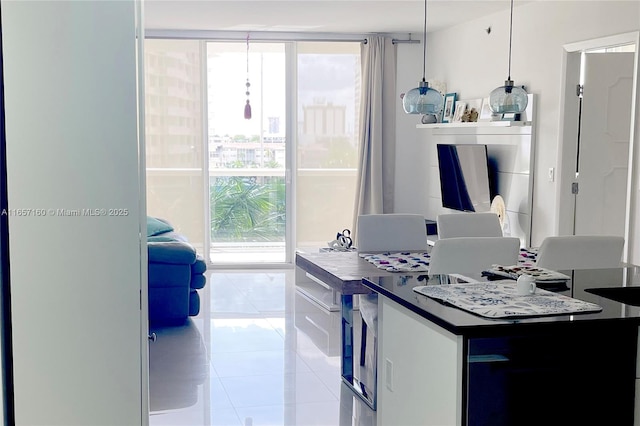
{"points": [[508, 98], [423, 99]]}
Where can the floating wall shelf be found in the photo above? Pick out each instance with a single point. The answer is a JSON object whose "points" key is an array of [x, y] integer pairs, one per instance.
{"points": [[474, 124]]}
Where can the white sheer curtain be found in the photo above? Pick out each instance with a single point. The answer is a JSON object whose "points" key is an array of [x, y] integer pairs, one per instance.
{"points": [[376, 169]]}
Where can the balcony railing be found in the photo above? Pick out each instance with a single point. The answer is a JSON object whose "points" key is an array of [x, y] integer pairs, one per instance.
{"points": [[324, 203]]}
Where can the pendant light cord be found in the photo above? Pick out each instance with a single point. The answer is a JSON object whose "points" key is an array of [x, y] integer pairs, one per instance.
{"points": [[510, 37], [424, 42]]}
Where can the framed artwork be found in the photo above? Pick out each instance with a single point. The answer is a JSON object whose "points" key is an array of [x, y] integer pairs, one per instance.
{"points": [[485, 111], [511, 116], [461, 106], [448, 108]]}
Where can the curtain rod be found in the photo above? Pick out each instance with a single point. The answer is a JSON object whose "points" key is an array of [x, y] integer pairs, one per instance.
{"points": [[262, 36], [410, 41], [263, 40]]}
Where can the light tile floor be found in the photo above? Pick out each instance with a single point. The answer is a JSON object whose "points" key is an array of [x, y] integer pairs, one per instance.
{"points": [[259, 353]]}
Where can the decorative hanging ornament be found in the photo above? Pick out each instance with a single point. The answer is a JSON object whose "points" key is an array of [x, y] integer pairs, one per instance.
{"points": [[247, 106]]}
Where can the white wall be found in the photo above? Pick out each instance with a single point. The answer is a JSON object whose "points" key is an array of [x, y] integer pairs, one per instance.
{"points": [[70, 81], [472, 63], [411, 152]]}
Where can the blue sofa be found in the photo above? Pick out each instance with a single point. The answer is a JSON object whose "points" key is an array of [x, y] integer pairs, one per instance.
{"points": [[175, 274]]}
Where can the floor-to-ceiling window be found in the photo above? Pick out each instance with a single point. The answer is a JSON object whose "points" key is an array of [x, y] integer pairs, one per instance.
{"points": [[251, 190], [174, 134], [328, 97], [247, 152]]}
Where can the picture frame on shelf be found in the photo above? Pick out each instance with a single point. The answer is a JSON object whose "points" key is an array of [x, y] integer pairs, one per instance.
{"points": [[485, 110], [448, 107], [511, 116], [460, 108]]}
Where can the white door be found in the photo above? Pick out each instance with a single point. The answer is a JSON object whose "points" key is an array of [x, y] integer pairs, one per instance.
{"points": [[603, 146]]}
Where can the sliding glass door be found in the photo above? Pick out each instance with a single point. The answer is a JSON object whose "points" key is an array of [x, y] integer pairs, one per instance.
{"points": [[174, 135], [247, 153], [249, 190], [328, 99]]}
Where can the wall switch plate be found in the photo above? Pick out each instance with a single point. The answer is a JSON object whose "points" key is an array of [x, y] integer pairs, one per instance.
{"points": [[388, 374], [551, 174]]}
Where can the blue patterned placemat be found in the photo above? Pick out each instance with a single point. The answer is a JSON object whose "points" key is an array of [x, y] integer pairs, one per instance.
{"points": [[399, 262], [528, 256], [419, 261], [540, 275], [498, 299]]}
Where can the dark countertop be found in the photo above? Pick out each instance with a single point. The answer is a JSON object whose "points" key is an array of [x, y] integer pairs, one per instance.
{"points": [[343, 271], [399, 288]]}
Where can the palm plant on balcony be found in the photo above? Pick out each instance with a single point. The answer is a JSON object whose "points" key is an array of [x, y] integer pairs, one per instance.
{"points": [[243, 209]]}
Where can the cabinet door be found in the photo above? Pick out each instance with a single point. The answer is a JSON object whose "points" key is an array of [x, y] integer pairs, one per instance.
{"points": [[559, 377], [419, 370]]}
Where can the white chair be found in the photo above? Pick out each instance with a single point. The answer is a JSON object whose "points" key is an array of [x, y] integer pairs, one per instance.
{"points": [[452, 225], [580, 252], [472, 254], [391, 232]]}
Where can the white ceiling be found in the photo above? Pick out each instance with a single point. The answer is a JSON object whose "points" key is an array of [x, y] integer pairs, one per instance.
{"points": [[323, 16]]}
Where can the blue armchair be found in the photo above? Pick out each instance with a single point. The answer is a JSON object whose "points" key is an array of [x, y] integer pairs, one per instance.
{"points": [[175, 274]]}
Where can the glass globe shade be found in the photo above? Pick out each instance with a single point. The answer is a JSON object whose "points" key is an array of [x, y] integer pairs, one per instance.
{"points": [[508, 98], [422, 100]]}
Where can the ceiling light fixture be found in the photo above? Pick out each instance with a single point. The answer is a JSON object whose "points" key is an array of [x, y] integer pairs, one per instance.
{"points": [[508, 98], [423, 99]]}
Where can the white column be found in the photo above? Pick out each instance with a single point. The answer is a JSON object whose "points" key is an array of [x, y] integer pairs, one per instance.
{"points": [[72, 144]]}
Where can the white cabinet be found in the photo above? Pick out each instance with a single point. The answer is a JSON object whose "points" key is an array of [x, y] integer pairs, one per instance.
{"points": [[447, 367], [511, 154], [314, 289], [419, 370]]}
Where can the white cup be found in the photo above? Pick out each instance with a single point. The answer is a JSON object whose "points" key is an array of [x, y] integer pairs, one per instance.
{"points": [[526, 285]]}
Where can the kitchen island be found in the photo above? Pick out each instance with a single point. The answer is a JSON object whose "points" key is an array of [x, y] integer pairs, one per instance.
{"points": [[440, 365], [340, 273]]}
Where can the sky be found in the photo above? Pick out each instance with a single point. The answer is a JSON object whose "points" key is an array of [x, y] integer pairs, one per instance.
{"points": [[326, 77]]}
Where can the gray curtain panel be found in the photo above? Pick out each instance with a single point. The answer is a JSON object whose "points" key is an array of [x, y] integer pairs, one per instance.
{"points": [[374, 191]]}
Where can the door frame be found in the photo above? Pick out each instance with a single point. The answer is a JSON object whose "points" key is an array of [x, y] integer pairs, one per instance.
{"points": [[569, 105], [7, 408], [291, 111], [142, 204]]}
